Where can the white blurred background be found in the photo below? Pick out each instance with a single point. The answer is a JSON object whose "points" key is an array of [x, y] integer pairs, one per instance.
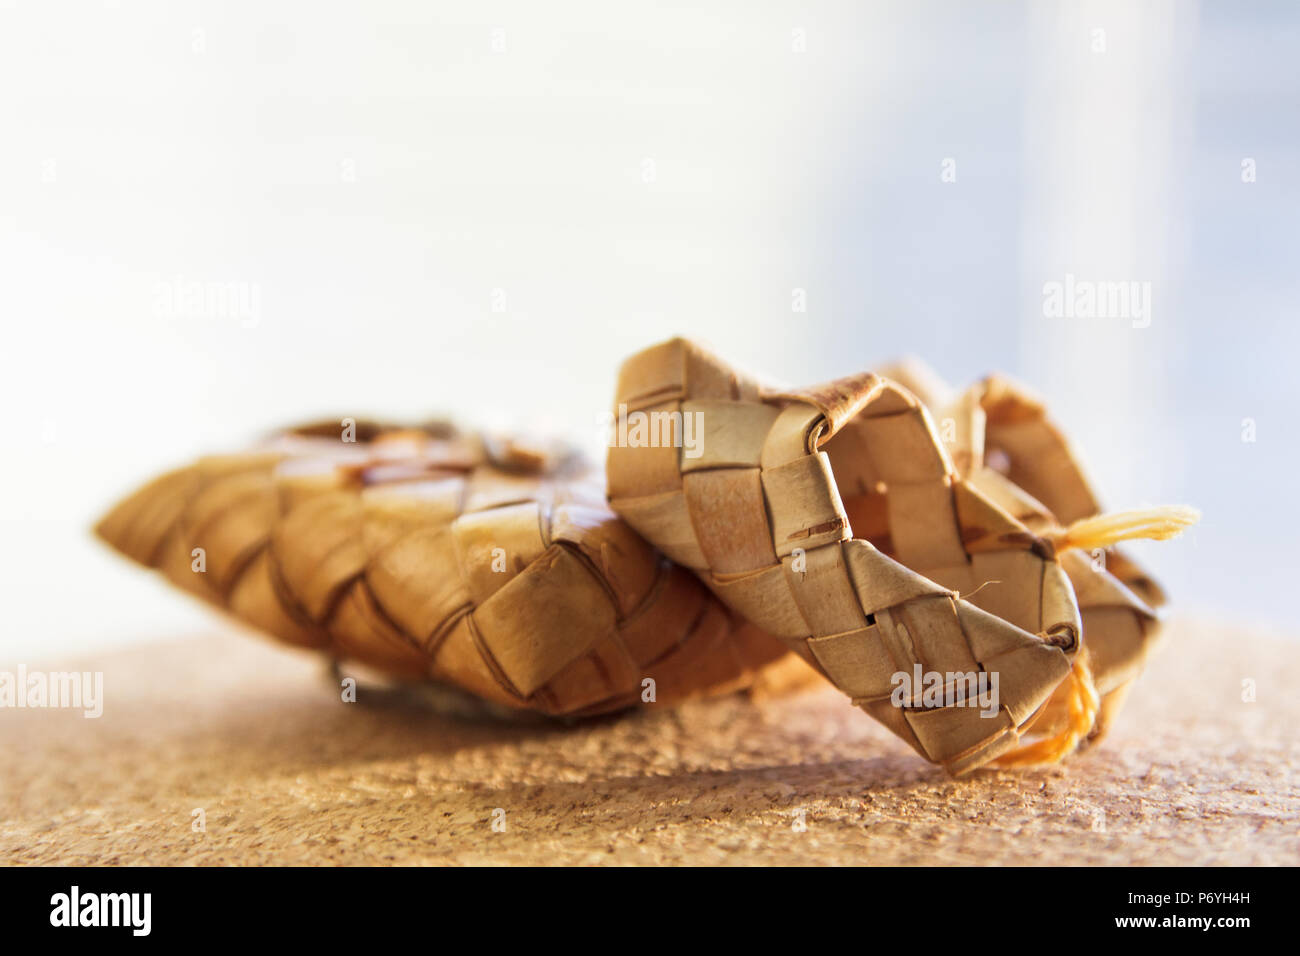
{"points": [[480, 208]]}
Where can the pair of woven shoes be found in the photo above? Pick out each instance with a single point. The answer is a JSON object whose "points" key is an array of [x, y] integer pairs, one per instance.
{"points": [[938, 557]]}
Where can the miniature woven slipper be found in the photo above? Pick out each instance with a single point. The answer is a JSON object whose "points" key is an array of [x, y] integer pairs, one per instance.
{"points": [[834, 518], [490, 566]]}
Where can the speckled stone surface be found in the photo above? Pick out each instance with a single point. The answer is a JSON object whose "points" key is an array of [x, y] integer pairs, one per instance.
{"points": [[287, 773]]}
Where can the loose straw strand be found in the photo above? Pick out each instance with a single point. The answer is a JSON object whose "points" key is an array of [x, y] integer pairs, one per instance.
{"points": [[1083, 705], [1102, 531]]}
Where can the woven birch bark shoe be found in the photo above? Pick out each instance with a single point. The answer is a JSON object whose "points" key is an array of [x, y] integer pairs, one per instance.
{"points": [[1003, 441], [490, 566], [833, 518]]}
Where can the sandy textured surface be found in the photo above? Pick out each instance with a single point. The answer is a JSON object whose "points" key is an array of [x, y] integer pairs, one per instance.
{"points": [[285, 772]]}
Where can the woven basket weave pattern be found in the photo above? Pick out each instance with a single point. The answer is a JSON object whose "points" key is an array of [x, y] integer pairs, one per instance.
{"points": [[426, 558], [832, 521]]}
